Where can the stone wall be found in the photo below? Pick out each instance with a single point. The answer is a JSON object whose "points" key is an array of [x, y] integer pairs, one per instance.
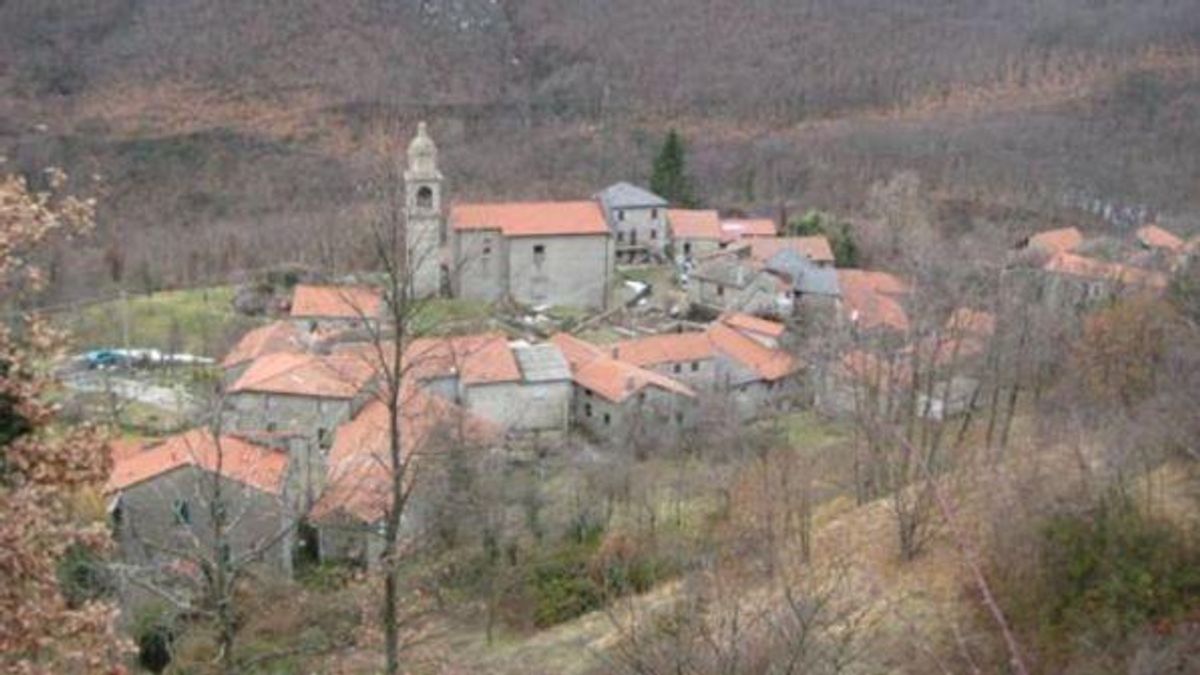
{"points": [[566, 271]]}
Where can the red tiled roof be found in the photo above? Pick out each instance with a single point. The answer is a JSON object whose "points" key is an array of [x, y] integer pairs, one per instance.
{"points": [[340, 302], [1055, 241], [753, 324], [250, 464], [277, 336], [477, 359], [737, 228], [1153, 236], [360, 477], [694, 224], [969, 321], [768, 363], [528, 219], [873, 298], [1090, 268], [333, 376], [611, 378], [815, 248], [665, 348]]}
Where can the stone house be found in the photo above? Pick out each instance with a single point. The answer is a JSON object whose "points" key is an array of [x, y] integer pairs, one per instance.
{"points": [[164, 495], [350, 514], [738, 358], [532, 253], [815, 249], [328, 309], [305, 394], [695, 233], [638, 219], [520, 388], [621, 403], [728, 281]]}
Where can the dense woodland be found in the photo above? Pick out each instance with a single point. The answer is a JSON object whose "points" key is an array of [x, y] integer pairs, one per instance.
{"points": [[219, 130]]}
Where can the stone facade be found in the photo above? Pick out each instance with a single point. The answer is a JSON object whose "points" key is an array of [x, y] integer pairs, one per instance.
{"points": [[561, 270], [423, 187], [174, 511], [311, 417]]}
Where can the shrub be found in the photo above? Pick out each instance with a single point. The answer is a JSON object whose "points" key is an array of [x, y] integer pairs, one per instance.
{"points": [[154, 632], [562, 587], [83, 576]]}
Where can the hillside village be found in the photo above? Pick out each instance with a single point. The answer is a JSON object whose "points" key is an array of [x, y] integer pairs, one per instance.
{"points": [[761, 323]]}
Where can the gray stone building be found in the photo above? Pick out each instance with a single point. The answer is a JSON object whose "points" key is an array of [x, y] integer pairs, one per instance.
{"points": [[620, 403], [695, 233], [638, 219], [164, 495], [304, 394], [521, 388], [532, 253], [322, 310], [731, 282]]}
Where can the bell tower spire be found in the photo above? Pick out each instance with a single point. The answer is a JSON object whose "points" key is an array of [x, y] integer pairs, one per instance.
{"points": [[423, 210]]}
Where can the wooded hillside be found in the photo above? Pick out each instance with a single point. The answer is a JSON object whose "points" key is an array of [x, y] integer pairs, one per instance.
{"points": [[223, 129]]}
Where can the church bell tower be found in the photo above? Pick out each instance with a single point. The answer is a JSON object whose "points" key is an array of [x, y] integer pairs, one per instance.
{"points": [[423, 215]]}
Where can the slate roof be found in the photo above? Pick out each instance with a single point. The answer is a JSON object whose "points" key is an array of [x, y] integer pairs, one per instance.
{"points": [[240, 460], [542, 363], [815, 248], [624, 195], [531, 219], [806, 276]]}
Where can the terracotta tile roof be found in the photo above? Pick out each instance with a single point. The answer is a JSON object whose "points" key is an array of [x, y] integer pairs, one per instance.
{"points": [[250, 464], [1098, 270], [333, 376], [1055, 241], [815, 248], [360, 477], [767, 363], [737, 228], [873, 298], [654, 350], [1153, 236], [613, 379], [694, 224], [528, 219], [969, 321], [477, 359], [753, 324], [340, 302], [277, 336]]}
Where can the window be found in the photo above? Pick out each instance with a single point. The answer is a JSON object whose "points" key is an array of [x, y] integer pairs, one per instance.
{"points": [[687, 248], [323, 438], [720, 290], [219, 512], [654, 234], [182, 512], [620, 215], [654, 213], [677, 368], [424, 197], [633, 237], [587, 409], [679, 418], [487, 249], [641, 397], [587, 392], [695, 366], [539, 253], [607, 418], [270, 427], [621, 237]]}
